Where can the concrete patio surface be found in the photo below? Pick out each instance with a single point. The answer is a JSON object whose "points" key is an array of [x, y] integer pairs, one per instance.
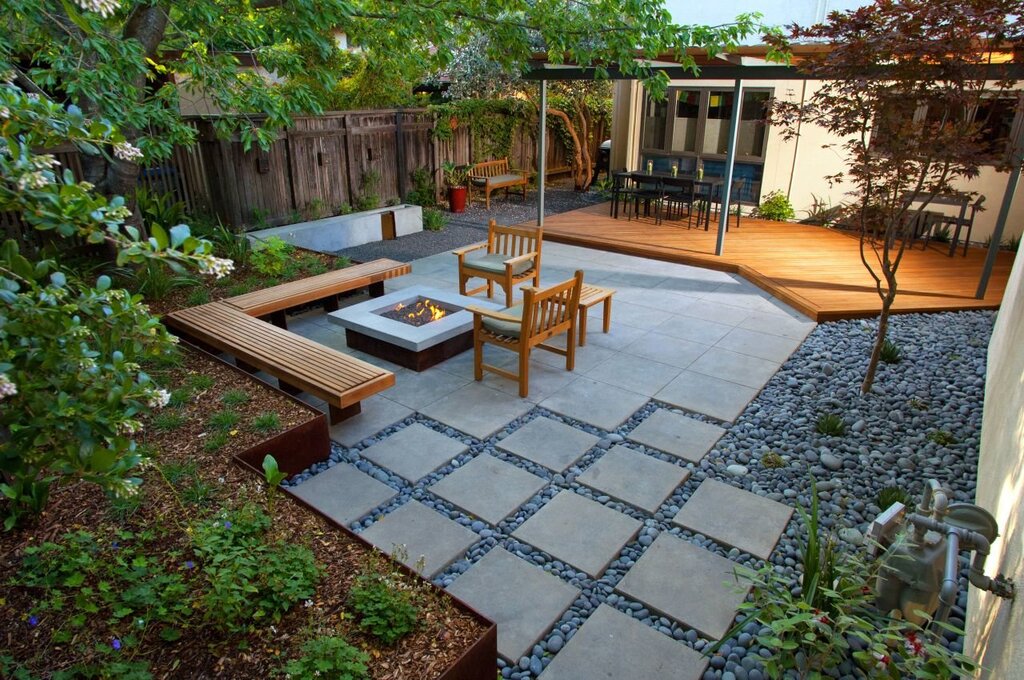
{"points": [[519, 505]]}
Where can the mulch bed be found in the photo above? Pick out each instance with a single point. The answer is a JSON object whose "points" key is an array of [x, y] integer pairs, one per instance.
{"points": [[203, 651]]}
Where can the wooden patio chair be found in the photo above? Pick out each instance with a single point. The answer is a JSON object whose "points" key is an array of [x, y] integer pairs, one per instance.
{"points": [[513, 256], [541, 315]]}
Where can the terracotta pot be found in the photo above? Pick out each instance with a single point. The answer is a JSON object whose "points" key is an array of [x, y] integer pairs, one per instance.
{"points": [[457, 199]]}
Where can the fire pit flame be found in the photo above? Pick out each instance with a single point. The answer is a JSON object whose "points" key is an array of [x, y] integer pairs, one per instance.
{"points": [[418, 313]]}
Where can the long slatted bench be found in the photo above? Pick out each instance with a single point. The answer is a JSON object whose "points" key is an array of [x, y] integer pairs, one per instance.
{"points": [[298, 364], [275, 300]]}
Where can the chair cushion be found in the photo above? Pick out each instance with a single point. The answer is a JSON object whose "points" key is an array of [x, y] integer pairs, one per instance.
{"points": [[502, 179], [478, 181], [507, 328], [496, 264]]}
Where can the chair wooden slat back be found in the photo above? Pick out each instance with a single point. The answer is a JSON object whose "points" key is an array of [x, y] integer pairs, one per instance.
{"points": [[509, 243], [548, 312]]}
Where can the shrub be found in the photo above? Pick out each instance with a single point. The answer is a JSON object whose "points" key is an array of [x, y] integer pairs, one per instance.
{"points": [[154, 280], [159, 209], [271, 256], [369, 198], [248, 579], [890, 352], [434, 220], [424, 192], [772, 460], [831, 425], [329, 657], [776, 206], [892, 494], [384, 608]]}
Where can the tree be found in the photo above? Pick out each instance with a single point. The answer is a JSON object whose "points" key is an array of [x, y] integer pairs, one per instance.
{"points": [[901, 89]]}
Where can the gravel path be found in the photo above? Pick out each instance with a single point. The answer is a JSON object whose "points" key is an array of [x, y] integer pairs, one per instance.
{"points": [[471, 225]]}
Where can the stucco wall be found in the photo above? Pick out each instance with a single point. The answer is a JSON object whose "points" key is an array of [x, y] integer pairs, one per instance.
{"points": [[995, 627]]}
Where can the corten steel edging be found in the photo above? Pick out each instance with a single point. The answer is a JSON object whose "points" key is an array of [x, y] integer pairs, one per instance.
{"points": [[306, 443], [479, 660]]}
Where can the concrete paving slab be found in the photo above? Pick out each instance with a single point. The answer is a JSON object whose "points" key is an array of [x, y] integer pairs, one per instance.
{"points": [[677, 434], [523, 599], [414, 452], [666, 350], [691, 286], [597, 403], [545, 380], [617, 337], [488, 488], [477, 410], [633, 477], [417, 390], [708, 395], [587, 357], [701, 331], [777, 324], [550, 443], [377, 413], [720, 313], [579, 531], [343, 493], [612, 645], [686, 583], [752, 523], [424, 537], [758, 344], [738, 368], [635, 374]]}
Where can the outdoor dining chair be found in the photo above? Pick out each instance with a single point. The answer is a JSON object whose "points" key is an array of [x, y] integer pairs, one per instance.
{"points": [[953, 221], [542, 315]]}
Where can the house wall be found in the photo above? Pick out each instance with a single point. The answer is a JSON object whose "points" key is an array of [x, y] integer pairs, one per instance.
{"points": [[798, 167], [995, 627]]}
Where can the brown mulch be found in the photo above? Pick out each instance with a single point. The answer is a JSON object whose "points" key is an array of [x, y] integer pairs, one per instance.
{"points": [[444, 632]]}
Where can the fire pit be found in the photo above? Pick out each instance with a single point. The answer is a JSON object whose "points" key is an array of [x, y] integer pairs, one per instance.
{"points": [[417, 327]]}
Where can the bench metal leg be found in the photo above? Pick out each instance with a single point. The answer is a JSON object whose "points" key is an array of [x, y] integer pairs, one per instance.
{"points": [[337, 414], [290, 389], [376, 289], [248, 368], [279, 319]]}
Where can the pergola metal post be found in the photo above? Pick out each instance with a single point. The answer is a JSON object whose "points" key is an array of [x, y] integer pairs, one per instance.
{"points": [[1004, 212], [730, 158], [542, 151]]}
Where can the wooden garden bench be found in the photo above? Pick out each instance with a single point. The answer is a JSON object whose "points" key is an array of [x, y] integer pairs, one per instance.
{"points": [[275, 300], [298, 364], [491, 175]]}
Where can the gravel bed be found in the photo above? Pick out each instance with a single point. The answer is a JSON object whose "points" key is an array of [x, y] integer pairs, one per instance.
{"points": [[471, 225], [922, 420]]}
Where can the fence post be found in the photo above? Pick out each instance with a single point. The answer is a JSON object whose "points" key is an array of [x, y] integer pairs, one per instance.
{"points": [[400, 154]]}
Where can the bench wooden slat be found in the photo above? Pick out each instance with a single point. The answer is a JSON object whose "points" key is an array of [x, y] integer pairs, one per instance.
{"points": [[293, 293], [337, 378]]}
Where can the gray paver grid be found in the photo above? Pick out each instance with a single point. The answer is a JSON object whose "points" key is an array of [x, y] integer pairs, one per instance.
{"points": [[714, 348]]}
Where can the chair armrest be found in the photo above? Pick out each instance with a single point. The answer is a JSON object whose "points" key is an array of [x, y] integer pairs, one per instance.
{"points": [[468, 249], [513, 261], [494, 314]]}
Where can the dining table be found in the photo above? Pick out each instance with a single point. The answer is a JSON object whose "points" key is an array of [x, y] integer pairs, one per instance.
{"points": [[709, 188]]}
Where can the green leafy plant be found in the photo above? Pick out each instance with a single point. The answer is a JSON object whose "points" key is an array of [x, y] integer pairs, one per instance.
{"points": [[454, 175], [200, 296], [434, 219], [154, 280], [342, 261], [159, 209], [271, 255], [942, 234], [249, 579], [603, 187], [384, 606], [822, 212], [199, 492], [169, 420], [223, 420], [424, 192], [772, 460], [266, 422], [329, 657], [370, 196], [776, 206], [177, 472], [892, 494], [890, 352], [831, 425], [273, 476], [234, 398], [180, 397], [216, 441], [123, 508], [200, 382], [941, 437], [232, 245], [344, 209]]}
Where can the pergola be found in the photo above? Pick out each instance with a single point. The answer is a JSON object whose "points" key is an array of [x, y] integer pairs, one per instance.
{"points": [[751, 64]]}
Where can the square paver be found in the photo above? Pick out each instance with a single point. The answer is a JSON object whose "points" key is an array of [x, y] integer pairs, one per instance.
{"points": [[779, 324], [488, 488], [695, 330], [523, 599], [423, 535], [677, 434], [343, 493], [377, 413], [632, 477], [735, 367], [414, 452], [614, 646], [708, 395], [633, 373], [597, 403], [666, 349], [735, 517], [719, 313], [689, 584], [550, 443], [416, 390], [579, 531], [758, 344], [477, 410]]}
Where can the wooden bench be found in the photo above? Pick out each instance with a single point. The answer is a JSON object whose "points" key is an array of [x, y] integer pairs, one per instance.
{"points": [[298, 364], [491, 175], [589, 296], [275, 300]]}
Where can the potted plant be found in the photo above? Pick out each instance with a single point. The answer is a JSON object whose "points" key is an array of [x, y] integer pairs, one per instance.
{"points": [[456, 178]]}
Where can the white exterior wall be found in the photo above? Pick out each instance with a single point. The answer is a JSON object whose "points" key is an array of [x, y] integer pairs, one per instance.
{"points": [[797, 167]]}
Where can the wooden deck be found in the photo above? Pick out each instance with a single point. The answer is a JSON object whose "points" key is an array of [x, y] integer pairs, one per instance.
{"points": [[818, 271]]}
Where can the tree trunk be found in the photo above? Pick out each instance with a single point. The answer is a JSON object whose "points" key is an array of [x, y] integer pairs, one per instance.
{"points": [[883, 327], [577, 155], [587, 174]]}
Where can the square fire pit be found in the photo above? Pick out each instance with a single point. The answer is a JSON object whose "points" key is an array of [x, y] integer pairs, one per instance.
{"points": [[417, 327]]}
